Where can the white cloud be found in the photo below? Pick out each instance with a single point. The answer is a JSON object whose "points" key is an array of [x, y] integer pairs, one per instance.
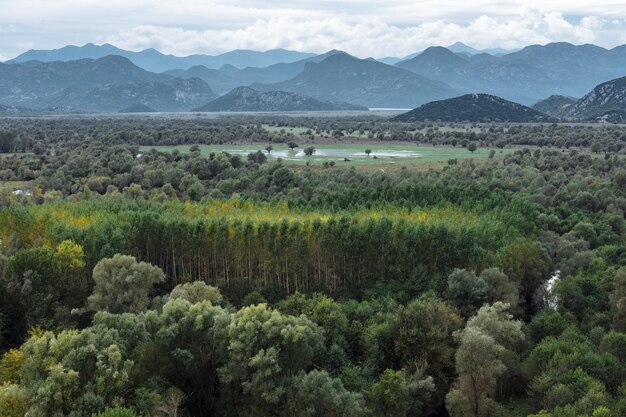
{"points": [[369, 37], [362, 27]]}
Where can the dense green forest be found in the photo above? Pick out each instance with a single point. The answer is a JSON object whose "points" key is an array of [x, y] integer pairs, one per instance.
{"points": [[169, 284]]}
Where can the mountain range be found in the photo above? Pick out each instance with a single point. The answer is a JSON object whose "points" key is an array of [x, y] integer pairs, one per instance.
{"points": [[526, 76], [105, 84], [155, 61], [229, 77], [559, 71], [342, 77]]}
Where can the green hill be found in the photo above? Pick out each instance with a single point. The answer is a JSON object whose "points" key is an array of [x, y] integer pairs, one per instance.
{"points": [[473, 108]]}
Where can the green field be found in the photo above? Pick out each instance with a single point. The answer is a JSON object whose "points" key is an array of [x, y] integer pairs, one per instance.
{"points": [[382, 153]]}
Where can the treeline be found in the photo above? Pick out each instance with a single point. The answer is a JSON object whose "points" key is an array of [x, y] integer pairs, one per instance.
{"points": [[153, 131], [242, 247]]}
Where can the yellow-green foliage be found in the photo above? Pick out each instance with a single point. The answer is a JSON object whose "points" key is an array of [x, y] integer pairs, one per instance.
{"points": [[13, 401], [238, 243], [10, 366]]}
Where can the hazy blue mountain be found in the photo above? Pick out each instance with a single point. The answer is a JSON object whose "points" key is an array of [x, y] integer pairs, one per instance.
{"points": [[219, 81], [106, 84], [473, 108], [460, 47], [228, 77], [605, 103], [369, 83], [245, 99], [555, 105], [528, 75], [155, 61], [439, 63]]}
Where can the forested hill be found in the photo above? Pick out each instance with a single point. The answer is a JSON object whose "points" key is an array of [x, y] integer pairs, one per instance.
{"points": [[556, 106], [473, 108]]}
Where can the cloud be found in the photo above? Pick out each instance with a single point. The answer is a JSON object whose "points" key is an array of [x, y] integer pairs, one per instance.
{"points": [[368, 37], [362, 27]]}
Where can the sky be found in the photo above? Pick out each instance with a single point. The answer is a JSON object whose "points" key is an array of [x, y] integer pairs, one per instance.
{"points": [[376, 28]]}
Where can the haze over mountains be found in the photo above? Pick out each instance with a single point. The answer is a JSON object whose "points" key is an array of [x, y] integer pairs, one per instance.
{"points": [[105, 78]]}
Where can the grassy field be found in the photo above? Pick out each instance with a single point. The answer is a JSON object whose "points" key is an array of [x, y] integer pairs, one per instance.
{"points": [[382, 153]]}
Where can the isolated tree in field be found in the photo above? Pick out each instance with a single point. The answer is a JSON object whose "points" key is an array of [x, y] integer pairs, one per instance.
{"points": [[309, 150], [471, 147], [368, 152], [292, 145], [123, 285], [269, 148]]}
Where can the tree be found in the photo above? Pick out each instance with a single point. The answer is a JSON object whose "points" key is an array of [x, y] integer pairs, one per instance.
{"points": [[368, 152], [618, 300], [7, 141], [292, 145], [196, 292], [501, 288], [466, 291], [123, 285], [471, 147], [479, 360], [389, 397], [269, 148], [266, 349], [309, 150], [317, 394]]}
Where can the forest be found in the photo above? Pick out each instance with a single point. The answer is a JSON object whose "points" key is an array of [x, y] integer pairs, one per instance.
{"points": [[161, 283]]}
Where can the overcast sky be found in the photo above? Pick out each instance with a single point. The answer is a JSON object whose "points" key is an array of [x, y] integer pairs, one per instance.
{"points": [[364, 28]]}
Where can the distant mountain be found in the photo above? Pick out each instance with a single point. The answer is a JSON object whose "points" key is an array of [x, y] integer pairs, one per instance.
{"points": [[155, 61], [138, 108], [473, 108], [555, 105], [461, 48], [370, 83], [229, 77], [605, 103], [437, 62], [245, 99], [526, 76], [106, 84]]}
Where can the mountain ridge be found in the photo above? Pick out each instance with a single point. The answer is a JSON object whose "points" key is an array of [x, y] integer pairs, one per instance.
{"points": [[246, 99], [342, 77], [155, 61]]}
